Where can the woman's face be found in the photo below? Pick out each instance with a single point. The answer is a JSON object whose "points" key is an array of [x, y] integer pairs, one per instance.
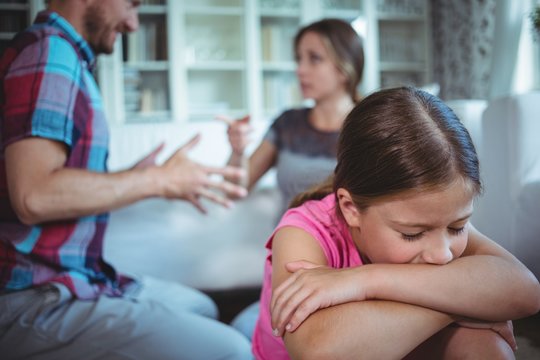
{"points": [[317, 73], [429, 227]]}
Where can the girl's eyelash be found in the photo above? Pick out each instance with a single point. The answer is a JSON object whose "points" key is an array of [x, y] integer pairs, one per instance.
{"points": [[456, 231], [411, 237]]}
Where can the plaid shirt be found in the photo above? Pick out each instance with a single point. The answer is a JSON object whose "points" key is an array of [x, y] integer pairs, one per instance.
{"points": [[47, 90]]}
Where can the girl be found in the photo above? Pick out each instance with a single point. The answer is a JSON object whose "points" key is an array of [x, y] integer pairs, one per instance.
{"points": [[382, 262], [302, 143]]}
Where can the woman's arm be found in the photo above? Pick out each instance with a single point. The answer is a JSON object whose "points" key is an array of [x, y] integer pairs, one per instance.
{"points": [[359, 329], [258, 163]]}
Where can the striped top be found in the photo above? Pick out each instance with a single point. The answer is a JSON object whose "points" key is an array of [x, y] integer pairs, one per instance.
{"points": [[47, 90]]}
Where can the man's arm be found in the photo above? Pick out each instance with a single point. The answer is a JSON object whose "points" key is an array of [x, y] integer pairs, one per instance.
{"points": [[42, 189]]}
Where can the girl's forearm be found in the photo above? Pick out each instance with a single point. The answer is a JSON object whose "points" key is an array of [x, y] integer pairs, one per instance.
{"points": [[481, 286], [365, 329]]}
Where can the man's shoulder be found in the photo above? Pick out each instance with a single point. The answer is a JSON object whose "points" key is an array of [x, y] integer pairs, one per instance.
{"points": [[36, 47]]}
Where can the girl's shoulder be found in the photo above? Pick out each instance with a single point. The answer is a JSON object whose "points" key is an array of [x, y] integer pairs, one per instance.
{"points": [[320, 219]]}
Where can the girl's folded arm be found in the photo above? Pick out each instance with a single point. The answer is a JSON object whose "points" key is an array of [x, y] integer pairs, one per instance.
{"points": [[486, 283]]}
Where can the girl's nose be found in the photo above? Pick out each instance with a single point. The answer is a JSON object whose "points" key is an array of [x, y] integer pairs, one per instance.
{"points": [[438, 253]]}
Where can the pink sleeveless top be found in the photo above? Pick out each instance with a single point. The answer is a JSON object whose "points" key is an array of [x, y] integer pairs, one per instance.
{"points": [[318, 218]]}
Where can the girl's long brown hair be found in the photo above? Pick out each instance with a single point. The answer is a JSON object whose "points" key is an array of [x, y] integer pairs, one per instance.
{"points": [[399, 140]]}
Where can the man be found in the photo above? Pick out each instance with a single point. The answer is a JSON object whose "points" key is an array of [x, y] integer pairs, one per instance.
{"points": [[59, 299]]}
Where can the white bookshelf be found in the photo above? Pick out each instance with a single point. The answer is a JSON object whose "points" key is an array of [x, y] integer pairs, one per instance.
{"points": [[235, 57], [403, 42], [16, 15]]}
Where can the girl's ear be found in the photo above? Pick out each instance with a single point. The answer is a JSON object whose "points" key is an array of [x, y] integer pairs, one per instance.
{"points": [[348, 208]]}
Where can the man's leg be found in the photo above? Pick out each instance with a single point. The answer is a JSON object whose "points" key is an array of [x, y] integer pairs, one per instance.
{"points": [[47, 323]]}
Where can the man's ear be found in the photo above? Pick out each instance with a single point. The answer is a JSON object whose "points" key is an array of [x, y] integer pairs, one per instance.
{"points": [[348, 208]]}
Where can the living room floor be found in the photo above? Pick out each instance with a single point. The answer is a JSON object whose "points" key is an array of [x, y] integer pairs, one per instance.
{"points": [[527, 331]]}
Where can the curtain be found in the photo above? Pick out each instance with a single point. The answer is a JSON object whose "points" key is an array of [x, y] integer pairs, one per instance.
{"points": [[513, 68]]}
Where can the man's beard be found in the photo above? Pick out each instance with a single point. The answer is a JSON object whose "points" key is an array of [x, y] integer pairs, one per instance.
{"points": [[95, 26]]}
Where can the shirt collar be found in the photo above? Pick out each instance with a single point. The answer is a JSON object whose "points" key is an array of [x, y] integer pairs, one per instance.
{"points": [[53, 19]]}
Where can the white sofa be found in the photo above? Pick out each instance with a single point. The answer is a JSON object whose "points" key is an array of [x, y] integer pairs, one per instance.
{"points": [[509, 210]]}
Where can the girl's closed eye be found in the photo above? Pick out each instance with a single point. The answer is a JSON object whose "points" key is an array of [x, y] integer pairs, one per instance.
{"points": [[456, 231], [412, 237]]}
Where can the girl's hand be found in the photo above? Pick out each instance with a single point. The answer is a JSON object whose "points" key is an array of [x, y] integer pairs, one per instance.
{"points": [[505, 329], [238, 133], [312, 287]]}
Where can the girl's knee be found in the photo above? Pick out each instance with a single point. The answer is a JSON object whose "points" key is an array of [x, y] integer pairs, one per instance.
{"points": [[478, 343]]}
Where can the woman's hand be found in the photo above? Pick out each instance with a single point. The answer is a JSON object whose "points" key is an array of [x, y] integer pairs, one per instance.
{"points": [[312, 287], [238, 132], [505, 329]]}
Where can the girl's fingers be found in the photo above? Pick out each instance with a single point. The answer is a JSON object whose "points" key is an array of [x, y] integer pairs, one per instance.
{"points": [[294, 266]]}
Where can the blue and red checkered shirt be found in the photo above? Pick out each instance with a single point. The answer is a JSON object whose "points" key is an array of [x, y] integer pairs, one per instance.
{"points": [[47, 90]]}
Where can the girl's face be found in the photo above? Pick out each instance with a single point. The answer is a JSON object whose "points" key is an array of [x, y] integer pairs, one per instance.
{"points": [[421, 228], [317, 73]]}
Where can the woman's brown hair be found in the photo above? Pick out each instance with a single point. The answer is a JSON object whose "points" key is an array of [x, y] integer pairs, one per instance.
{"points": [[400, 140], [344, 44]]}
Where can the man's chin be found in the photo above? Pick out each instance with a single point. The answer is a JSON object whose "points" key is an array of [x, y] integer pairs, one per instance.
{"points": [[107, 50]]}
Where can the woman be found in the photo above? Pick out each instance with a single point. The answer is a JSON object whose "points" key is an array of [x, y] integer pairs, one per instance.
{"points": [[301, 143]]}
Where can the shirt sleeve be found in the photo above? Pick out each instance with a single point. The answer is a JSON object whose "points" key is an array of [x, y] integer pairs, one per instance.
{"points": [[41, 90], [273, 133]]}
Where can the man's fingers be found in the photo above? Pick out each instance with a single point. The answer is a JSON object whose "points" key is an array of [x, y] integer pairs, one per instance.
{"points": [[190, 144], [230, 172], [197, 203], [227, 188], [212, 196], [157, 150]]}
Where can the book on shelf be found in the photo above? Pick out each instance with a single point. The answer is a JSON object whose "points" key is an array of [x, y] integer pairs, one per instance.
{"points": [[271, 42], [143, 43]]}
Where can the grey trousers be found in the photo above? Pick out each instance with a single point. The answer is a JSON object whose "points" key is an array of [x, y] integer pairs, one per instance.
{"points": [[158, 320]]}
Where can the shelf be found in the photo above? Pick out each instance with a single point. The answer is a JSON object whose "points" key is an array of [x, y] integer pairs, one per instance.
{"points": [[292, 13], [152, 10], [217, 66], [194, 59], [7, 35], [287, 66], [214, 10], [148, 65], [14, 7]]}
